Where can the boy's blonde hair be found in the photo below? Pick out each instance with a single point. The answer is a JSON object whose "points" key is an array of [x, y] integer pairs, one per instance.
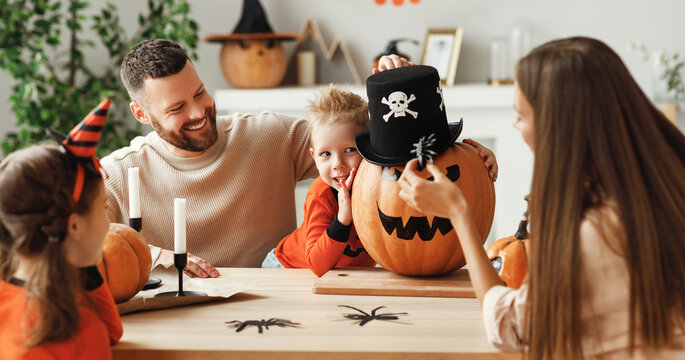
{"points": [[336, 106]]}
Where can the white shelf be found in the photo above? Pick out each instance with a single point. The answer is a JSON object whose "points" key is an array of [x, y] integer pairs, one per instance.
{"points": [[488, 115], [294, 99]]}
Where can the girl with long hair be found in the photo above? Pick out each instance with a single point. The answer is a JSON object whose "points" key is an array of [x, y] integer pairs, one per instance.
{"points": [[606, 275], [53, 302]]}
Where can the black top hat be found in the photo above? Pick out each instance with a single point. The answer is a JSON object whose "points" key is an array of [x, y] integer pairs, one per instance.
{"points": [[406, 108], [253, 25]]}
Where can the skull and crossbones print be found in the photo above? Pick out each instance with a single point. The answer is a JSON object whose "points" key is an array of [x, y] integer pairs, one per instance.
{"points": [[442, 99], [399, 105]]}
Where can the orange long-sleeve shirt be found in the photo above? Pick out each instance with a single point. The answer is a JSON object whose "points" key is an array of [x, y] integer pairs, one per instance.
{"points": [[99, 328], [322, 243]]}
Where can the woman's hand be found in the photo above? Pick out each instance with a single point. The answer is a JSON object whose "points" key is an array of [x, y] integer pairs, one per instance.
{"points": [[440, 197], [443, 198]]}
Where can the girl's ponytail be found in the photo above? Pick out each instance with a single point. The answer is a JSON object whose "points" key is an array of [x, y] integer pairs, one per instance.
{"points": [[36, 186], [52, 287]]}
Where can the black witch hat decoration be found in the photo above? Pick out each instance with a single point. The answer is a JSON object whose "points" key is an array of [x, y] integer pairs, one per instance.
{"points": [[407, 117], [253, 25], [81, 143]]}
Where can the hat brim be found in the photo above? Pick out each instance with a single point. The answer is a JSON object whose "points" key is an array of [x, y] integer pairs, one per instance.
{"points": [[363, 143], [250, 36]]}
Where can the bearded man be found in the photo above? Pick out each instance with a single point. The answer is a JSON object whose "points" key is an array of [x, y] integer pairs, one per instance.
{"points": [[237, 173]]}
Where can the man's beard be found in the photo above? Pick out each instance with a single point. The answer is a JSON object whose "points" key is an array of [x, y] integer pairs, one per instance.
{"points": [[181, 141]]}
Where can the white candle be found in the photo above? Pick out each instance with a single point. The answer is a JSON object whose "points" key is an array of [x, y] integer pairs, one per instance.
{"points": [[134, 193], [179, 226], [306, 68]]}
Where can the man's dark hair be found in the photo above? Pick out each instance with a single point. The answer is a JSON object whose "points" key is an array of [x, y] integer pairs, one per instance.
{"points": [[150, 59]]}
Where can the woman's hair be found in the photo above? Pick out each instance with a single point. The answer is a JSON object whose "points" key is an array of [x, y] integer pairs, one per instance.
{"points": [[36, 186], [599, 141], [335, 106]]}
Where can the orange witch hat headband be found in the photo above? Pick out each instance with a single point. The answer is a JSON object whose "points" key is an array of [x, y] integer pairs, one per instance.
{"points": [[81, 143]]}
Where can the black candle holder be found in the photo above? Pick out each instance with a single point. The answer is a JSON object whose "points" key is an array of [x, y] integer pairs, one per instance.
{"points": [[136, 223], [180, 262], [153, 282]]}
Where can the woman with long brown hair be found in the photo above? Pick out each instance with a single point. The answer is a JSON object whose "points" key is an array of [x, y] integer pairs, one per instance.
{"points": [[606, 274], [53, 302]]}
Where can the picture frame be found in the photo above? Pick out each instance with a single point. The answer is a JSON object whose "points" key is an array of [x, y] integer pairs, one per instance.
{"points": [[441, 51]]}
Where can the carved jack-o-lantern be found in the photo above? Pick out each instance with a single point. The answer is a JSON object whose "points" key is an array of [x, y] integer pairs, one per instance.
{"points": [[253, 63], [406, 241]]}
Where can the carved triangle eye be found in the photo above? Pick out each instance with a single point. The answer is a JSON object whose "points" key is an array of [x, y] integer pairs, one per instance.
{"points": [[452, 173]]}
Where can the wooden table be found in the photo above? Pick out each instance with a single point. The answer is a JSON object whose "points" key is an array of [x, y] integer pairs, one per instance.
{"points": [[434, 328]]}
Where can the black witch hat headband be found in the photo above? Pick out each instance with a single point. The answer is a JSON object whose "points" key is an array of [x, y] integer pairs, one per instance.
{"points": [[81, 142]]}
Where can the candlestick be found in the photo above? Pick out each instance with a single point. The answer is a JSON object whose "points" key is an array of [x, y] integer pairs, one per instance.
{"points": [[135, 218], [180, 261], [179, 226], [180, 254]]}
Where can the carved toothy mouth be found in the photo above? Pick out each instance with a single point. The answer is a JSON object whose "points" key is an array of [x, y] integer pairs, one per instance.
{"points": [[415, 224]]}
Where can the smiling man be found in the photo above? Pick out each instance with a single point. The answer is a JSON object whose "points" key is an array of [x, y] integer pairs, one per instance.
{"points": [[237, 173]]}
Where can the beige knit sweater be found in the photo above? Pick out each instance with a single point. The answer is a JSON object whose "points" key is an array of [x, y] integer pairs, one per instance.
{"points": [[240, 192]]}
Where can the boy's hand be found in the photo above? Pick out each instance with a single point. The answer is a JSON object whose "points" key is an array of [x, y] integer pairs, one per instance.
{"points": [[488, 157], [393, 61], [344, 203]]}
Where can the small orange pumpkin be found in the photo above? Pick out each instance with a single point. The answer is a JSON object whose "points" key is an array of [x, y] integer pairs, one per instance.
{"points": [[126, 261], [253, 63], [509, 256], [406, 241]]}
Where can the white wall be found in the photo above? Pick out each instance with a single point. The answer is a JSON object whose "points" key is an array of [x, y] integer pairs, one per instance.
{"points": [[365, 27]]}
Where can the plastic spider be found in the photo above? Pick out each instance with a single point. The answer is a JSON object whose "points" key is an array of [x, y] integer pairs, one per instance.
{"points": [[240, 325], [365, 317], [423, 152]]}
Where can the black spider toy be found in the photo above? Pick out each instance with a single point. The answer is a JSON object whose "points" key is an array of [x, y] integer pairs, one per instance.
{"points": [[364, 317], [240, 325]]}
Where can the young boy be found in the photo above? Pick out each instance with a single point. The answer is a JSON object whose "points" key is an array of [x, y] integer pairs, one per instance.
{"points": [[327, 238]]}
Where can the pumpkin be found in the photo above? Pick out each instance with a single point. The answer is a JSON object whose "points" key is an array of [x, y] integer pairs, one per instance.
{"points": [[253, 63], [406, 241], [509, 256], [126, 261]]}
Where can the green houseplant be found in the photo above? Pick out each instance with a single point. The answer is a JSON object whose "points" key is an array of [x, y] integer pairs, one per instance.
{"points": [[668, 69], [43, 48]]}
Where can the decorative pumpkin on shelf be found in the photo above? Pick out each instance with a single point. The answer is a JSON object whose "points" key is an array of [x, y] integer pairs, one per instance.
{"points": [[253, 63], [126, 261], [407, 120], [509, 255], [252, 56]]}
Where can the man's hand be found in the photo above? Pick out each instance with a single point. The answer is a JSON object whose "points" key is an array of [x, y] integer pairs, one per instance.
{"points": [[393, 61], [489, 160], [196, 267]]}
